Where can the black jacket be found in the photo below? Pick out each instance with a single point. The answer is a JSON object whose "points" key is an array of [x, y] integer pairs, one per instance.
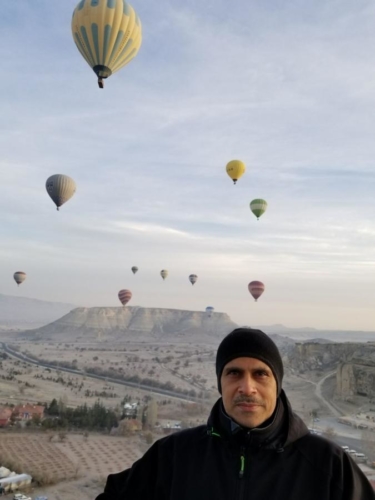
{"points": [[222, 461]]}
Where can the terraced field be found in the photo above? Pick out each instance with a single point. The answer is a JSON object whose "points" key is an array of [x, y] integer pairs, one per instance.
{"points": [[77, 460]]}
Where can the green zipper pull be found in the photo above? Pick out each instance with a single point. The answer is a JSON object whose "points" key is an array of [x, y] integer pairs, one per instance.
{"points": [[211, 432], [242, 468]]}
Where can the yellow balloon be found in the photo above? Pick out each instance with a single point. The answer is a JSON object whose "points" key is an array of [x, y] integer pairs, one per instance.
{"points": [[235, 169], [108, 34]]}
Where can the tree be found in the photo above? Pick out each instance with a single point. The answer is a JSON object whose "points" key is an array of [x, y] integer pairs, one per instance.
{"points": [[53, 408], [63, 403], [315, 413], [329, 432], [149, 437], [35, 419], [152, 414], [14, 417]]}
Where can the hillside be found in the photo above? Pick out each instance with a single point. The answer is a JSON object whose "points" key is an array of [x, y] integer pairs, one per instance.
{"points": [[308, 334], [18, 313], [135, 324], [353, 362]]}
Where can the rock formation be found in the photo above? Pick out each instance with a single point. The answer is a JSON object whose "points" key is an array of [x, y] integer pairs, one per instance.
{"points": [[354, 362], [356, 376], [320, 356], [135, 324]]}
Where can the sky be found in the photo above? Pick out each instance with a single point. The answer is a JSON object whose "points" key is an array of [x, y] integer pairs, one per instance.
{"points": [[288, 87]]}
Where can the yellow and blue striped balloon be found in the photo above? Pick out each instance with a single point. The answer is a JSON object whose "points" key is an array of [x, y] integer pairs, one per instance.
{"points": [[108, 33]]}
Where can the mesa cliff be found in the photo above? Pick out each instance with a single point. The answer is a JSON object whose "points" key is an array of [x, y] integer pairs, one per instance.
{"points": [[135, 324]]}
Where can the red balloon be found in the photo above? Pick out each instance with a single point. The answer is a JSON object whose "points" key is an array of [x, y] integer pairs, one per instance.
{"points": [[124, 296], [256, 288]]}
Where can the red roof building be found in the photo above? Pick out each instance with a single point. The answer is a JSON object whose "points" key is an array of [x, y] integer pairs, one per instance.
{"points": [[27, 411], [5, 414]]}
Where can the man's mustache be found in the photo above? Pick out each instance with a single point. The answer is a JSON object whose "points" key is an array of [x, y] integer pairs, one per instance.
{"points": [[248, 400]]}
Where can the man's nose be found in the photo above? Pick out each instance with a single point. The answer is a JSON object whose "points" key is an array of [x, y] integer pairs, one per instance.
{"points": [[247, 385]]}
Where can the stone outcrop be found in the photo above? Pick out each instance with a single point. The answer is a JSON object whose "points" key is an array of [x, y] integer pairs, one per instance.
{"points": [[354, 364], [357, 375], [320, 356], [136, 324]]}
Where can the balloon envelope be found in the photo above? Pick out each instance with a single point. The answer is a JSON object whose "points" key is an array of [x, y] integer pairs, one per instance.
{"points": [[210, 310], [60, 188], [108, 34], [19, 277], [163, 273], [258, 207], [256, 288], [193, 278], [235, 169], [124, 296], [134, 269]]}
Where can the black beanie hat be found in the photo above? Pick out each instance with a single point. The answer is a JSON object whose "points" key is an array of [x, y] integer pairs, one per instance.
{"points": [[249, 343]]}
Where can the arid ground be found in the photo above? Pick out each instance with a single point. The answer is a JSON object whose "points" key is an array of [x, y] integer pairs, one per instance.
{"points": [[80, 463]]}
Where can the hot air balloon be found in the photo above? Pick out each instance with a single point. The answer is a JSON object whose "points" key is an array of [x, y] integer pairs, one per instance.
{"points": [[193, 278], [163, 273], [60, 188], [209, 311], [124, 296], [258, 207], [107, 33], [19, 277], [235, 169], [256, 288], [134, 269]]}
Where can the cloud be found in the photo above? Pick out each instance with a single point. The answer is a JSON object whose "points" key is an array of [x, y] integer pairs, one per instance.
{"points": [[285, 87]]}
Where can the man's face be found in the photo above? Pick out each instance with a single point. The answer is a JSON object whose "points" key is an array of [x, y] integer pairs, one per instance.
{"points": [[249, 391]]}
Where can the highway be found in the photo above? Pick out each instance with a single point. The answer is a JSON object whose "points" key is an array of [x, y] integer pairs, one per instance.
{"points": [[345, 435], [81, 373]]}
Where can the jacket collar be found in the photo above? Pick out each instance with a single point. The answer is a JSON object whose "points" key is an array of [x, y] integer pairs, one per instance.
{"points": [[282, 428]]}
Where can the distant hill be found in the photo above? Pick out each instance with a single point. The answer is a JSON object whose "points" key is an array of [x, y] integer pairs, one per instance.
{"points": [[319, 336], [135, 324], [20, 313]]}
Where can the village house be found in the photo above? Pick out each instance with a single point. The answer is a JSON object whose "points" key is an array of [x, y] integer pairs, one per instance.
{"points": [[130, 410], [5, 414], [27, 411]]}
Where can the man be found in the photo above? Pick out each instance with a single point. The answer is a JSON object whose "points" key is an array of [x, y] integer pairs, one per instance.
{"points": [[253, 446]]}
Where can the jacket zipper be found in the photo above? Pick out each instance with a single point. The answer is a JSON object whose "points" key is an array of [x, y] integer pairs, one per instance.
{"points": [[241, 473], [242, 462]]}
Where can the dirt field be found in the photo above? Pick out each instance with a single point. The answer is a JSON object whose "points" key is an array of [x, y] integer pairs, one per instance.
{"points": [[79, 464], [185, 366]]}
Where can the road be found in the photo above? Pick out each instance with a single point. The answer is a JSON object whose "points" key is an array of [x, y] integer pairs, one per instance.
{"points": [[318, 393], [134, 385], [344, 434]]}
